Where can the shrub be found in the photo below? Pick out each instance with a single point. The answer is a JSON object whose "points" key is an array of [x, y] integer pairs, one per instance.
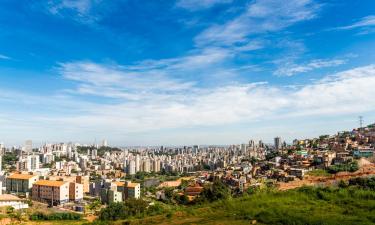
{"points": [[55, 216], [123, 210]]}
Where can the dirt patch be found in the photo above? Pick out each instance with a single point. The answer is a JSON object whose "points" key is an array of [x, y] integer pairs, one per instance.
{"points": [[367, 169]]}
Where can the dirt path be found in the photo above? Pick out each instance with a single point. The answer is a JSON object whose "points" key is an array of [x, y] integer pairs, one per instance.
{"points": [[366, 170]]}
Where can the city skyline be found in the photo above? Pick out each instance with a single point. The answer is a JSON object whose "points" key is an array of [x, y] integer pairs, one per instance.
{"points": [[184, 72]]}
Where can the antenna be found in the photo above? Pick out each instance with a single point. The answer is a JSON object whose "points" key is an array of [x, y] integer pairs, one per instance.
{"points": [[361, 121]]}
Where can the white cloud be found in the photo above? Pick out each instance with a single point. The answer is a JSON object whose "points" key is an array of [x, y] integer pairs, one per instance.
{"points": [[194, 5], [261, 16], [4, 57], [80, 10], [343, 93], [368, 21], [290, 68], [156, 76], [346, 92]]}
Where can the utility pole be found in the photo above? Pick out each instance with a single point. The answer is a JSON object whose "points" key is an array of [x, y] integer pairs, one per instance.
{"points": [[361, 121], [52, 196]]}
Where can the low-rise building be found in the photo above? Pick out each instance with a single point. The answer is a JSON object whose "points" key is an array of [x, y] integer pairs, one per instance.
{"points": [[13, 201], [132, 190], [20, 183], [119, 191], [51, 192], [75, 192]]}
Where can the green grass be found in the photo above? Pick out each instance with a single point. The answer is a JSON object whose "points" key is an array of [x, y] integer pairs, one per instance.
{"points": [[304, 206]]}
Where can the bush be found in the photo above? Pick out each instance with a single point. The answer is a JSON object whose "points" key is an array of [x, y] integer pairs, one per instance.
{"points": [[366, 183], [350, 167], [217, 191], [123, 210], [55, 216]]}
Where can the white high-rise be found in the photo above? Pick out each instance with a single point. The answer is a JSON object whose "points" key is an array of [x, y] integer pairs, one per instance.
{"points": [[32, 162], [104, 143], [131, 168], [28, 146], [137, 163]]}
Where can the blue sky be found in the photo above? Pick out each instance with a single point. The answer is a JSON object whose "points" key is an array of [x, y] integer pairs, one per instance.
{"points": [[184, 72]]}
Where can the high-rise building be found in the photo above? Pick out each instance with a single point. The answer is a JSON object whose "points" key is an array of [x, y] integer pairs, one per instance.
{"points": [[131, 167], [28, 146], [94, 153], [137, 163], [146, 166], [278, 143], [2, 147], [156, 165], [104, 143], [32, 162]]}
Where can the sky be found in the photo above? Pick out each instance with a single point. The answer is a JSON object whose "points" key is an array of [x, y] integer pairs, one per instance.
{"points": [[164, 72]]}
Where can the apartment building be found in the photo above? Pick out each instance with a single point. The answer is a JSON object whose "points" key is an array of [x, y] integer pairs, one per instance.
{"points": [[51, 192], [75, 192], [20, 183], [132, 190], [119, 191], [84, 180]]}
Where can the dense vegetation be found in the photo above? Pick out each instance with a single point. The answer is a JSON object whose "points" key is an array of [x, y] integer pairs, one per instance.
{"points": [[123, 210], [9, 159], [351, 202], [54, 216], [216, 191], [349, 167]]}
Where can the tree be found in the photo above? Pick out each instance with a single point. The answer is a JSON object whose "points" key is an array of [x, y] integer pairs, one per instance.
{"points": [[216, 191], [95, 205], [123, 210], [114, 211]]}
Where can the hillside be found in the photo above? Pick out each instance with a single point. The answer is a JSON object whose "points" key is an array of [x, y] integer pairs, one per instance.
{"points": [[306, 205]]}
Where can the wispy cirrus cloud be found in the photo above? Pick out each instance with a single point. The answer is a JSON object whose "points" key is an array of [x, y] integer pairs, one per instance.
{"points": [[79, 10], [157, 76], [259, 17], [194, 5], [291, 68], [4, 57], [368, 21]]}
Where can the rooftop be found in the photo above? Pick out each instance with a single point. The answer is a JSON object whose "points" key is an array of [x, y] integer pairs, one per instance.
{"points": [[8, 197], [132, 185], [119, 183], [21, 176], [51, 183]]}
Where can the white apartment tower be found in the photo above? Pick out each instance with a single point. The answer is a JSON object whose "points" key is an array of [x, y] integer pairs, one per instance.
{"points": [[32, 162], [137, 163], [28, 146], [131, 168], [104, 143]]}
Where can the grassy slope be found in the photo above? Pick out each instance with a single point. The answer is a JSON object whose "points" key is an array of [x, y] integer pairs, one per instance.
{"points": [[303, 206]]}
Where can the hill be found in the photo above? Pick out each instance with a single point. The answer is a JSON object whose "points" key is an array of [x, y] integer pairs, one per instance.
{"points": [[352, 202]]}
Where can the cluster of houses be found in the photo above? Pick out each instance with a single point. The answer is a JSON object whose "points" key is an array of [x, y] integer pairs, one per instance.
{"points": [[59, 190], [238, 166]]}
